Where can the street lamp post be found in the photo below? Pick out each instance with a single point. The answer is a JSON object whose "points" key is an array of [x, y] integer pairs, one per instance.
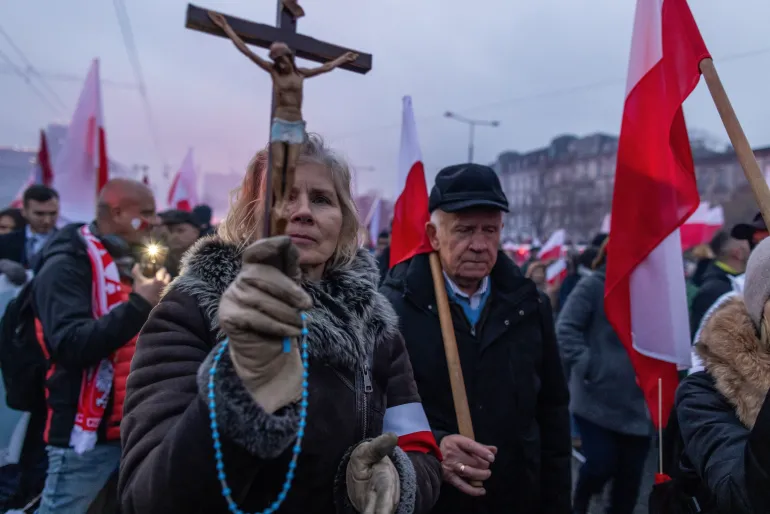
{"points": [[472, 124]]}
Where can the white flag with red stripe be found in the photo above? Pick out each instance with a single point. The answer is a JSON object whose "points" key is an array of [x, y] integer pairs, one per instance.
{"points": [[183, 193], [554, 247], [556, 272], [655, 192], [410, 213], [702, 225], [81, 167]]}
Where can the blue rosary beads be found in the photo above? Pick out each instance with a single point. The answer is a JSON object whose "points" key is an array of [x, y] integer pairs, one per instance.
{"points": [[226, 492]]}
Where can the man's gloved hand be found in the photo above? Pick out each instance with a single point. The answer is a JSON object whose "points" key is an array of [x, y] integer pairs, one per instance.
{"points": [[372, 480], [14, 272], [257, 311]]}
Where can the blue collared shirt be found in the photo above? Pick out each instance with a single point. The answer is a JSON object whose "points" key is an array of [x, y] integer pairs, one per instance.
{"points": [[472, 305], [34, 242]]}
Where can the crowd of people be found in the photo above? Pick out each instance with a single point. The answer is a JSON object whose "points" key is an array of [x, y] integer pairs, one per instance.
{"points": [[192, 368]]}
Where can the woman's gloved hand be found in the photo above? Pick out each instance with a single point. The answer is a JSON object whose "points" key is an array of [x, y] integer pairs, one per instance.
{"points": [[257, 311], [14, 272], [372, 480]]}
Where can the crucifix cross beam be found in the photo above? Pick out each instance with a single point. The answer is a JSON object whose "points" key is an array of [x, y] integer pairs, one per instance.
{"points": [[262, 35]]}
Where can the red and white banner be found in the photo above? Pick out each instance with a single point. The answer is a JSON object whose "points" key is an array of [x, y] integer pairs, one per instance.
{"points": [[655, 192], [554, 247], [410, 213], [40, 174], [183, 193], [556, 272], [702, 225], [81, 166]]}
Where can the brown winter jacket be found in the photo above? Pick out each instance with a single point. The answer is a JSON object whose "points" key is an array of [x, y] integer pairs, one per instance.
{"points": [[358, 368], [724, 414]]}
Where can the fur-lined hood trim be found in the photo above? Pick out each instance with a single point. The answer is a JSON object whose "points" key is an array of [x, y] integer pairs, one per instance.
{"points": [[733, 354], [350, 317]]}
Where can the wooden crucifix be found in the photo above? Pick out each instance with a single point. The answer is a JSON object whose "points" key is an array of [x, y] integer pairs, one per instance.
{"points": [[287, 128]]}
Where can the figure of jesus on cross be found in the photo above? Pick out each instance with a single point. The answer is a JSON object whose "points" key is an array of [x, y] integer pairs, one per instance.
{"points": [[287, 131]]}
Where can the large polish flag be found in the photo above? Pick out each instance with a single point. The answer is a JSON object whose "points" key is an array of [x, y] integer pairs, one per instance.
{"points": [[410, 213], [183, 193], [702, 225], [81, 166], [554, 247], [655, 192]]}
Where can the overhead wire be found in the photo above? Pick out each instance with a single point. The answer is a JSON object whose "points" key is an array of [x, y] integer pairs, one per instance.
{"points": [[29, 69], [528, 97], [124, 22], [18, 71], [68, 77]]}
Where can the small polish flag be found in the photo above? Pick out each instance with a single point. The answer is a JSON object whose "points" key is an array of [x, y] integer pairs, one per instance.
{"points": [[410, 213], [375, 213], [554, 247], [655, 193], [183, 195], [556, 272], [702, 225]]}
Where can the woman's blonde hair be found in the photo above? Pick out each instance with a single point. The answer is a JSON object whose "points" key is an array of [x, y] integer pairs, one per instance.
{"points": [[243, 224]]}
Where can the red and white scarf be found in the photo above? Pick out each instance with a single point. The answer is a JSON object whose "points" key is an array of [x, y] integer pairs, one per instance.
{"points": [[95, 389]]}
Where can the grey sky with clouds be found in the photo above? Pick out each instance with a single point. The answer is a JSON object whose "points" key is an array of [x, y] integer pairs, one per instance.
{"points": [[542, 68]]}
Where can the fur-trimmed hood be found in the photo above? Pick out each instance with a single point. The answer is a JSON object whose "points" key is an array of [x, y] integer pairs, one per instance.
{"points": [[733, 354], [349, 318]]}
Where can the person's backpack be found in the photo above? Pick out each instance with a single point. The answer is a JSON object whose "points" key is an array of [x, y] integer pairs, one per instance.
{"points": [[22, 360]]}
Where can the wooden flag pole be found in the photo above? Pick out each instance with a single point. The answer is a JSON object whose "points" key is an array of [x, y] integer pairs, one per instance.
{"points": [[456, 380], [737, 137]]}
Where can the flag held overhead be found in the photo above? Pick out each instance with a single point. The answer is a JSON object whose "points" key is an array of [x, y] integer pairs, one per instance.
{"points": [[655, 192]]}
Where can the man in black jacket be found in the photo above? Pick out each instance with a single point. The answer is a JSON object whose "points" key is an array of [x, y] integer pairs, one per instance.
{"points": [[41, 210], [510, 360], [730, 258], [83, 425]]}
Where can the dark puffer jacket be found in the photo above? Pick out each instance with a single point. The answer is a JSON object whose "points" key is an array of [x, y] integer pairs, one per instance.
{"points": [[359, 368], [514, 380]]}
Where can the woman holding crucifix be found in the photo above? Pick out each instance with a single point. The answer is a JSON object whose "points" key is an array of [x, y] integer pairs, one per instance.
{"points": [[225, 412]]}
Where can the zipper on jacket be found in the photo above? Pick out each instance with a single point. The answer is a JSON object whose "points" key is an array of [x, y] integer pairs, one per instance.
{"points": [[367, 380], [368, 388]]}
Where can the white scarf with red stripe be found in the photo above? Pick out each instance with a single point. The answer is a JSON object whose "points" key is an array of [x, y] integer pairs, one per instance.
{"points": [[95, 389]]}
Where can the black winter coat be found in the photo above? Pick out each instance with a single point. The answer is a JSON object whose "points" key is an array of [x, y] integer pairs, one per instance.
{"points": [[714, 283], [358, 369], [515, 385]]}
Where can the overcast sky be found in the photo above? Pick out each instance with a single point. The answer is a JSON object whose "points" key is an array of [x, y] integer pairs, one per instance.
{"points": [[542, 68]]}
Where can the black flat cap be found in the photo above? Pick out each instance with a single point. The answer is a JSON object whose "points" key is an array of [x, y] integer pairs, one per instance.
{"points": [[464, 186], [746, 230], [175, 217]]}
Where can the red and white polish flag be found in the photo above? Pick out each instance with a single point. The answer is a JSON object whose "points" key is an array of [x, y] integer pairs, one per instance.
{"points": [[556, 272], [81, 167], [554, 247], [183, 193], [702, 225], [410, 212], [655, 192]]}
